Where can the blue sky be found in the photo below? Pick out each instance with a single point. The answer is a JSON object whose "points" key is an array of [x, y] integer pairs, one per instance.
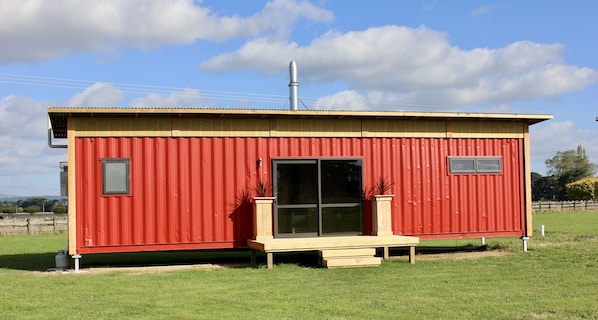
{"points": [[472, 56]]}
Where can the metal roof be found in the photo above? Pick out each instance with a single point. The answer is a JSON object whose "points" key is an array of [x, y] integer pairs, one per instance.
{"points": [[59, 115]]}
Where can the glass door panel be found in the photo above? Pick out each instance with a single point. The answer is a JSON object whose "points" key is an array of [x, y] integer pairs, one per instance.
{"points": [[294, 221], [296, 183], [342, 220], [318, 197], [296, 187], [341, 182]]}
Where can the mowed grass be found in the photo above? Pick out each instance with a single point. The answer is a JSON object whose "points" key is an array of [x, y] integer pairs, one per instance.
{"points": [[556, 279]]}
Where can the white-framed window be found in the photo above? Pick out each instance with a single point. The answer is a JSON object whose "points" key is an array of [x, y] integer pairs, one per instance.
{"points": [[115, 176], [464, 165]]}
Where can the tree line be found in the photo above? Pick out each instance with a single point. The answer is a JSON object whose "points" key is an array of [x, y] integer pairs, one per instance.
{"points": [[570, 176], [32, 205]]}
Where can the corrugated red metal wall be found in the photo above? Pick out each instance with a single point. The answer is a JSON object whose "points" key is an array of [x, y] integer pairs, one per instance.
{"points": [[187, 193], [432, 203]]}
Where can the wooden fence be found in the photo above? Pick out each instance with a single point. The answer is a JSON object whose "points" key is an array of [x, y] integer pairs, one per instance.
{"points": [[544, 206], [33, 223]]}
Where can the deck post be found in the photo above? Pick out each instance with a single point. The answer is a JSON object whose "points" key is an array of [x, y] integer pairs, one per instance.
{"points": [[386, 253], [269, 260], [77, 258], [412, 254], [524, 243], [253, 258]]}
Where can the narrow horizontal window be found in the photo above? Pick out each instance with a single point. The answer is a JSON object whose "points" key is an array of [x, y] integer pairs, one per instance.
{"points": [[463, 165], [489, 165], [115, 176]]}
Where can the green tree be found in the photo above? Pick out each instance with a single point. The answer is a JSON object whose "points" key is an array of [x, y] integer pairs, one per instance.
{"points": [[33, 209], [584, 189], [10, 210], [34, 202], [59, 208], [544, 188], [569, 166], [50, 205]]}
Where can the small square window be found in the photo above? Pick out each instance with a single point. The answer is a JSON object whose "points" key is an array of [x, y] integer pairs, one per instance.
{"points": [[115, 176]]}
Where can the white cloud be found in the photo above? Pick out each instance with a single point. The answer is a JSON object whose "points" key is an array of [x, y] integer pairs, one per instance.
{"points": [[480, 11], [188, 98], [342, 100], [487, 9], [549, 137], [100, 94], [23, 141], [33, 30], [20, 119], [418, 66]]}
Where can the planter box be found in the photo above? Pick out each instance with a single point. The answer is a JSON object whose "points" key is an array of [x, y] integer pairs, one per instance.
{"points": [[262, 218], [381, 215]]}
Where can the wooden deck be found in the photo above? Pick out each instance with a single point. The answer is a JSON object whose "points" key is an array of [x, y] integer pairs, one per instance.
{"points": [[271, 246]]}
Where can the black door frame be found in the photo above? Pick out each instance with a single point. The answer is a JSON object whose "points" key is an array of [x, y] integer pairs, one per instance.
{"points": [[319, 205]]}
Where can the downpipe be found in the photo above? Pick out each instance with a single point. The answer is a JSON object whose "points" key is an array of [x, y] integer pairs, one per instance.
{"points": [[50, 142]]}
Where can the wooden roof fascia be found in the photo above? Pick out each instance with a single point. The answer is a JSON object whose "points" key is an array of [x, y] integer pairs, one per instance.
{"points": [[291, 113], [59, 116]]}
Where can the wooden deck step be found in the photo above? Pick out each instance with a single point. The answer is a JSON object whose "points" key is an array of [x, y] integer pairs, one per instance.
{"points": [[330, 245], [344, 253], [352, 262], [349, 258]]}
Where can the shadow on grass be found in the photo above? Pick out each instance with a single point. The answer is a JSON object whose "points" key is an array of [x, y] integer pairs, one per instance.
{"points": [[238, 258], [404, 251], [46, 261], [233, 258], [28, 261]]}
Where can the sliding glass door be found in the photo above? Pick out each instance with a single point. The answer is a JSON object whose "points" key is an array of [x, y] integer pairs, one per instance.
{"points": [[318, 197]]}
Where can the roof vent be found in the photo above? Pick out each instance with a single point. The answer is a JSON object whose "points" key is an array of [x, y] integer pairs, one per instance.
{"points": [[293, 84]]}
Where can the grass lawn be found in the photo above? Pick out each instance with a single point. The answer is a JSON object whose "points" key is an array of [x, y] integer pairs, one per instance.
{"points": [[556, 279]]}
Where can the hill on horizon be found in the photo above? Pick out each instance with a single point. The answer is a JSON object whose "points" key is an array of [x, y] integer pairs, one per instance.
{"points": [[6, 197]]}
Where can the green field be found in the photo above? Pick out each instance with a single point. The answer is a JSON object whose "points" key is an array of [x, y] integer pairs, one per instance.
{"points": [[556, 279]]}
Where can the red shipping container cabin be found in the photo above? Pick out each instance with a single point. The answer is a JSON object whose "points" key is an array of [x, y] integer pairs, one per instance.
{"points": [[179, 179]]}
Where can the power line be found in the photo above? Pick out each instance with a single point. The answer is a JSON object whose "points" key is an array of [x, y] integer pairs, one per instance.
{"points": [[137, 88], [221, 95]]}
